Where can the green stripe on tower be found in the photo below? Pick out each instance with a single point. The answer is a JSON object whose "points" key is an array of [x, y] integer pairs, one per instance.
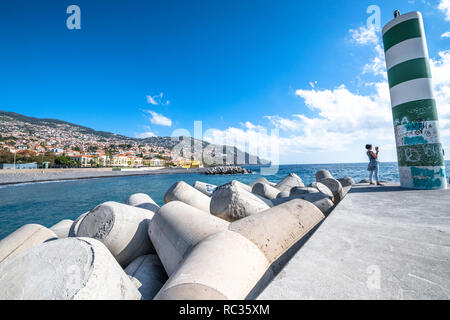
{"points": [[419, 110], [422, 155], [409, 70], [403, 31]]}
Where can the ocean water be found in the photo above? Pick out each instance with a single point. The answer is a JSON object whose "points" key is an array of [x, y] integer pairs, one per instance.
{"points": [[46, 203]]}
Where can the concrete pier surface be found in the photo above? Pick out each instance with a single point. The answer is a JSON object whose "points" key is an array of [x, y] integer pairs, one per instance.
{"points": [[378, 243]]}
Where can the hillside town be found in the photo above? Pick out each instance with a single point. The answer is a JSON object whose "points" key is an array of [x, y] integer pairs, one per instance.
{"points": [[32, 144]]}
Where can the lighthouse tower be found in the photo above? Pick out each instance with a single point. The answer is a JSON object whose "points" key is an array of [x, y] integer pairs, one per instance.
{"points": [[419, 149]]}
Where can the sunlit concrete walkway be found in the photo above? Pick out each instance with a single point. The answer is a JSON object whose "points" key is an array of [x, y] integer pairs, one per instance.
{"points": [[379, 243]]}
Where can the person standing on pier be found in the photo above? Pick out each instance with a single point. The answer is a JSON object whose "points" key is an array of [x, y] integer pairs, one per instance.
{"points": [[373, 163]]}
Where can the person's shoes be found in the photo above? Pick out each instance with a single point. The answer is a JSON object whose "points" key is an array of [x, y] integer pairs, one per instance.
{"points": [[380, 184], [371, 183]]}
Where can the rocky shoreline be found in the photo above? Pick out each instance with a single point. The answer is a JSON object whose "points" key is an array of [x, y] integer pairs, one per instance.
{"points": [[227, 170], [202, 235]]}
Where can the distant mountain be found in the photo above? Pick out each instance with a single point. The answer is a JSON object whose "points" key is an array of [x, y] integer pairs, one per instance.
{"points": [[211, 153], [55, 122]]}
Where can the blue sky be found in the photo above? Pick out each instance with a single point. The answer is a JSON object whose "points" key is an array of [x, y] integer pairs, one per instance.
{"points": [[243, 68]]}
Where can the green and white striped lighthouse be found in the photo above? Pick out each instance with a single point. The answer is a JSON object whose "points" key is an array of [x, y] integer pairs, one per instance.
{"points": [[419, 149]]}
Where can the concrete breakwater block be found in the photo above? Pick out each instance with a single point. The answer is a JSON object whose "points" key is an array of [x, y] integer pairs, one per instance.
{"points": [[283, 194], [320, 200], [263, 180], [62, 228], [302, 190], [144, 201], [24, 238], [335, 187], [225, 265], [231, 202], [204, 187], [345, 190], [65, 269], [323, 174], [275, 230], [244, 186], [147, 274], [323, 189], [177, 228], [346, 182], [121, 228], [290, 181], [229, 264], [181, 191], [76, 224], [265, 190]]}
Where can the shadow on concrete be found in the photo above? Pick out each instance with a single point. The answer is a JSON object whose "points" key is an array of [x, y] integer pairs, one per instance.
{"points": [[278, 265], [377, 189]]}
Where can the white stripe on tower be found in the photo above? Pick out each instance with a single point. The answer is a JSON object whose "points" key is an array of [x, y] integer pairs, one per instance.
{"points": [[412, 90], [406, 50]]}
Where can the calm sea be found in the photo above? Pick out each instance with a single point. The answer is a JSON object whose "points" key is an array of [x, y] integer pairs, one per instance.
{"points": [[49, 202]]}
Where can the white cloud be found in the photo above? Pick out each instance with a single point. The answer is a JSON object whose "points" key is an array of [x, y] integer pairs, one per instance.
{"points": [[159, 119], [377, 66], [344, 120], [440, 69], [143, 135], [157, 100], [444, 6], [364, 35], [445, 35]]}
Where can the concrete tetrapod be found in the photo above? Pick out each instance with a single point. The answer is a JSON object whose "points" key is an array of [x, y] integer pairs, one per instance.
{"points": [[181, 191], [76, 224], [24, 238], [323, 174], [144, 201], [263, 180], [346, 182], [323, 189], [241, 185], [121, 228], [62, 228], [231, 202], [302, 190], [320, 200], [283, 194], [65, 269], [335, 187], [275, 230], [265, 190], [228, 264], [147, 274], [290, 181], [225, 265], [177, 228], [204, 187], [345, 190]]}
